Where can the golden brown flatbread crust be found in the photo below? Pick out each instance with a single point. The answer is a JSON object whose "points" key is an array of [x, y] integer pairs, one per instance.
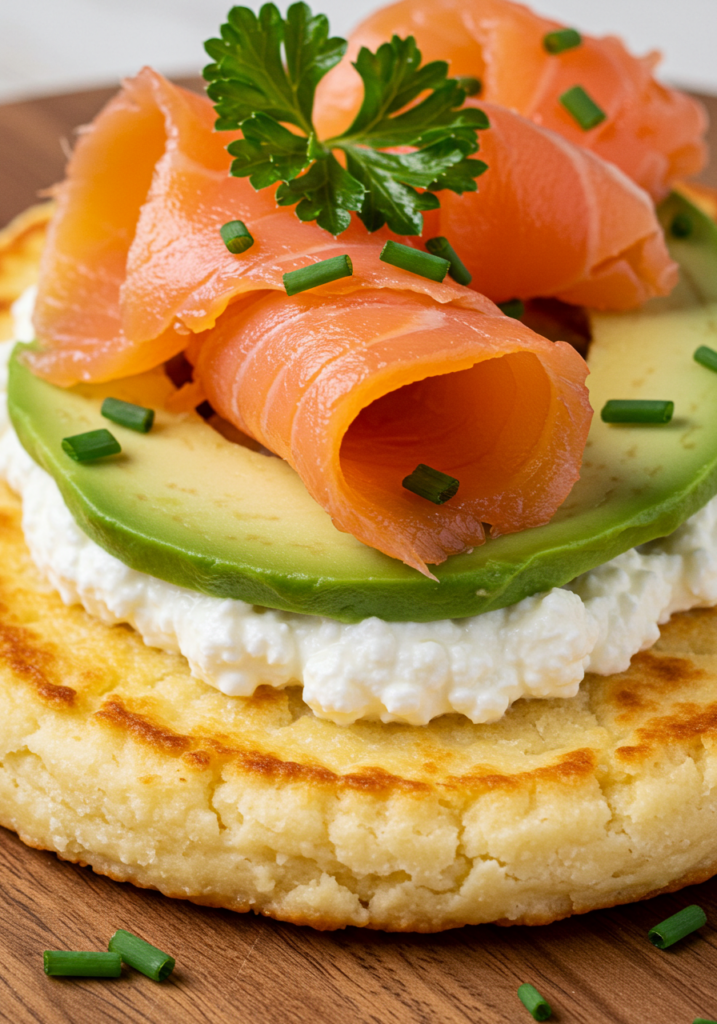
{"points": [[21, 245], [112, 755]]}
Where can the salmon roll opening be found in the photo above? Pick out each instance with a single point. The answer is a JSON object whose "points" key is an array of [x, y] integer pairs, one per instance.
{"points": [[479, 425], [355, 391]]}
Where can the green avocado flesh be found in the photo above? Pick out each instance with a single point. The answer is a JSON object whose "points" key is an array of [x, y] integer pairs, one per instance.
{"points": [[187, 506]]}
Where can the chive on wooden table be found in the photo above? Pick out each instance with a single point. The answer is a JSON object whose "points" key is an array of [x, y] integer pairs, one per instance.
{"points": [[596, 969]]}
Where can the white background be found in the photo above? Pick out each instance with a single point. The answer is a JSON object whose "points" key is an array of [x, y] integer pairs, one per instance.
{"points": [[60, 45]]}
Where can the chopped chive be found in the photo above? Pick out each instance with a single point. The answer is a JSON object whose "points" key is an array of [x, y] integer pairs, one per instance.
{"points": [[431, 484], [142, 955], [534, 1003], [668, 932], [440, 246], [561, 40], [95, 444], [71, 964], [703, 1020], [136, 417], [236, 236], [581, 107], [318, 273], [706, 357], [513, 307], [681, 226], [414, 261], [637, 410], [470, 86]]}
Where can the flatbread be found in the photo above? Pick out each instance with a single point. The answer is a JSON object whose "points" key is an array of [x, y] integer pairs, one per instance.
{"points": [[112, 755]]}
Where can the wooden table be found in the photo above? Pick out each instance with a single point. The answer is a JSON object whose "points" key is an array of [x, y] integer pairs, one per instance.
{"points": [[239, 968]]}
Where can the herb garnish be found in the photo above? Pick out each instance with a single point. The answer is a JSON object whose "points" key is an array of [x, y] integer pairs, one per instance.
{"points": [[264, 77], [532, 1000], [514, 308], [637, 410], [561, 40], [90, 446], [431, 484], [440, 246], [425, 264], [706, 357], [582, 108], [677, 927], [60, 963], [236, 236], [127, 414], [316, 274], [142, 955]]}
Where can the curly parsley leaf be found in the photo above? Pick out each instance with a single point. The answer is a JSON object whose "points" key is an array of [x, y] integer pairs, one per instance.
{"points": [[264, 77]]}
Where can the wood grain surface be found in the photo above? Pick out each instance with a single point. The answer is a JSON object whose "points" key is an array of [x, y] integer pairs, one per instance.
{"points": [[240, 968]]}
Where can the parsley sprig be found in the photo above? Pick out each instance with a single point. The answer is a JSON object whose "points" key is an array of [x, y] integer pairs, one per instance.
{"points": [[264, 77]]}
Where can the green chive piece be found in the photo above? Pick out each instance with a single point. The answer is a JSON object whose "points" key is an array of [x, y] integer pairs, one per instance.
{"points": [[414, 261], [668, 932], [431, 484], [142, 955], [534, 1003], [514, 308], [136, 417], [236, 236], [703, 1020], [584, 109], [95, 444], [71, 964], [440, 246], [681, 226], [470, 86], [706, 357], [637, 410], [561, 40], [317, 273]]}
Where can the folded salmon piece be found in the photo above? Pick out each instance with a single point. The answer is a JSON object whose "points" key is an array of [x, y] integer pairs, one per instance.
{"points": [[562, 223], [354, 391], [135, 261], [353, 384], [654, 134]]}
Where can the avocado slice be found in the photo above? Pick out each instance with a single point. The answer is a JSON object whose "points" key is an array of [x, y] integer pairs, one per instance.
{"points": [[186, 505]]}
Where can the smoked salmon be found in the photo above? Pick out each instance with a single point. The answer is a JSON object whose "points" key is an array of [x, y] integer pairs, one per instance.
{"points": [[562, 223], [654, 134], [135, 262], [356, 390], [358, 381]]}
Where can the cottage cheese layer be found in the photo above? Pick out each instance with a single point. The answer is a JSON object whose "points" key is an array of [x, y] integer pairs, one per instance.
{"points": [[393, 671]]}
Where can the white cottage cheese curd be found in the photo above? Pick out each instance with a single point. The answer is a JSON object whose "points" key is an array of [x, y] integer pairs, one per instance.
{"points": [[393, 671]]}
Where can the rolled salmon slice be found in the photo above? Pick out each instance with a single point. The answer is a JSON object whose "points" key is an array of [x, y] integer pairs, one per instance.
{"points": [[135, 263], [354, 391], [654, 134]]}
